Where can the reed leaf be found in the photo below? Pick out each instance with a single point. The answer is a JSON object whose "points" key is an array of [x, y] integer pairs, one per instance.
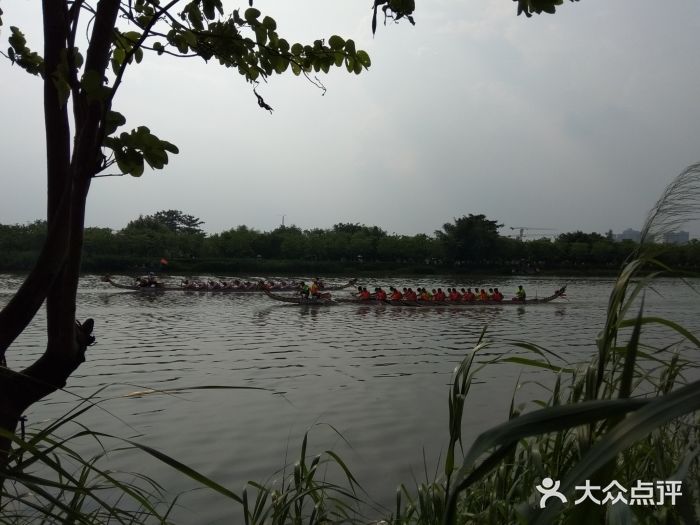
{"points": [[677, 205], [665, 322], [631, 430]]}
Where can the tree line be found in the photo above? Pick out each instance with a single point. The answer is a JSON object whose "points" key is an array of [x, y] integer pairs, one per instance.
{"points": [[468, 243]]}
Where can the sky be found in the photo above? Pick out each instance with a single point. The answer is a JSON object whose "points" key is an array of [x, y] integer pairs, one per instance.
{"points": [[575, 121]]}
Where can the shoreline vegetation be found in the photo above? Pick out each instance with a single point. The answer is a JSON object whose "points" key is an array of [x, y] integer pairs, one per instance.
{"points": [[172, 242]]}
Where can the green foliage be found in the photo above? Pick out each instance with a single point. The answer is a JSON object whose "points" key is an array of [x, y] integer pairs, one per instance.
{"points": [[538, 6], [394, 10], [131, 149], [20, 54], [125, 49], [469, 238], [172, 233], [179, 222], [169, 233]]}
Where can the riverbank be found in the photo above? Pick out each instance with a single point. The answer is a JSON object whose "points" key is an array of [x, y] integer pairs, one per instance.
{"points": [[22, 263]]}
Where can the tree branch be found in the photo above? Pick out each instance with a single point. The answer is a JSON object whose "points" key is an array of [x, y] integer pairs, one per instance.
{"points": [[137, 45]]}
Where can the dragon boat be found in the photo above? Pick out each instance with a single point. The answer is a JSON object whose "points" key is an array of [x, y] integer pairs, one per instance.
{"points": [[258, 288], [328, 301]]}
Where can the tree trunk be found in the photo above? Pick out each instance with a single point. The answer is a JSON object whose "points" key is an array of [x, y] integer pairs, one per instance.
{"points": [[55, 275]]}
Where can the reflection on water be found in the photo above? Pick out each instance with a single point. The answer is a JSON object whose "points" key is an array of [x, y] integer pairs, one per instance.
{"points": [[378, 374]]}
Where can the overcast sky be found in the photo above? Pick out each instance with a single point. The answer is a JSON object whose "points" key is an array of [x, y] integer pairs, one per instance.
{"points": [[572, 121]]}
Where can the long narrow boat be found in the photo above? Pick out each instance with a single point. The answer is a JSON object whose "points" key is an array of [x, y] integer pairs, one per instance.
{"points": [[297, 299], [256, 289], [293, 299]]}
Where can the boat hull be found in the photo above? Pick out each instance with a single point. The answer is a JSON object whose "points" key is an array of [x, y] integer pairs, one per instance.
{"points": [[157, 289], [289, 299]]}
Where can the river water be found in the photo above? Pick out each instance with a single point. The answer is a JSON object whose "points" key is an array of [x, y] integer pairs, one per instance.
{"points": [[378, 376]]}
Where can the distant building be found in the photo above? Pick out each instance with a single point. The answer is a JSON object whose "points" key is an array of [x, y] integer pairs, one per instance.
{"points": [[676, 237], [629, 235]]}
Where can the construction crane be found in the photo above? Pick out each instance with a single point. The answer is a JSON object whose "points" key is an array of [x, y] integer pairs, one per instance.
{"points": [[521, 230]]}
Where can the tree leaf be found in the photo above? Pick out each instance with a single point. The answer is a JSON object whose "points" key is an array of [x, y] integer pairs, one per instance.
{"points": [[113, 120], [261, 35], [269, 23], [350, 47], [251, 15], [363, 58], [336, 42]]}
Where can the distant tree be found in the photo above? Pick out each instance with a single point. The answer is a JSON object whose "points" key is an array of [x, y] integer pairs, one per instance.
{"points": [[542, 250], [579, 236], [352, 229], [173, 221], [469, 238], [145, 223], [603, 252], [99, 241], [508, 250], [23, 237], [179, 222], [236, 242], [293, 242]]}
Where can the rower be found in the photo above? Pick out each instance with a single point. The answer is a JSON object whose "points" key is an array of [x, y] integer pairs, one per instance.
{"points": [[483, 296], [395, 294], [364, 294], [315, 290], [497, 296], [380, 295], [303, 290], [520, 294], [440, 295]]}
